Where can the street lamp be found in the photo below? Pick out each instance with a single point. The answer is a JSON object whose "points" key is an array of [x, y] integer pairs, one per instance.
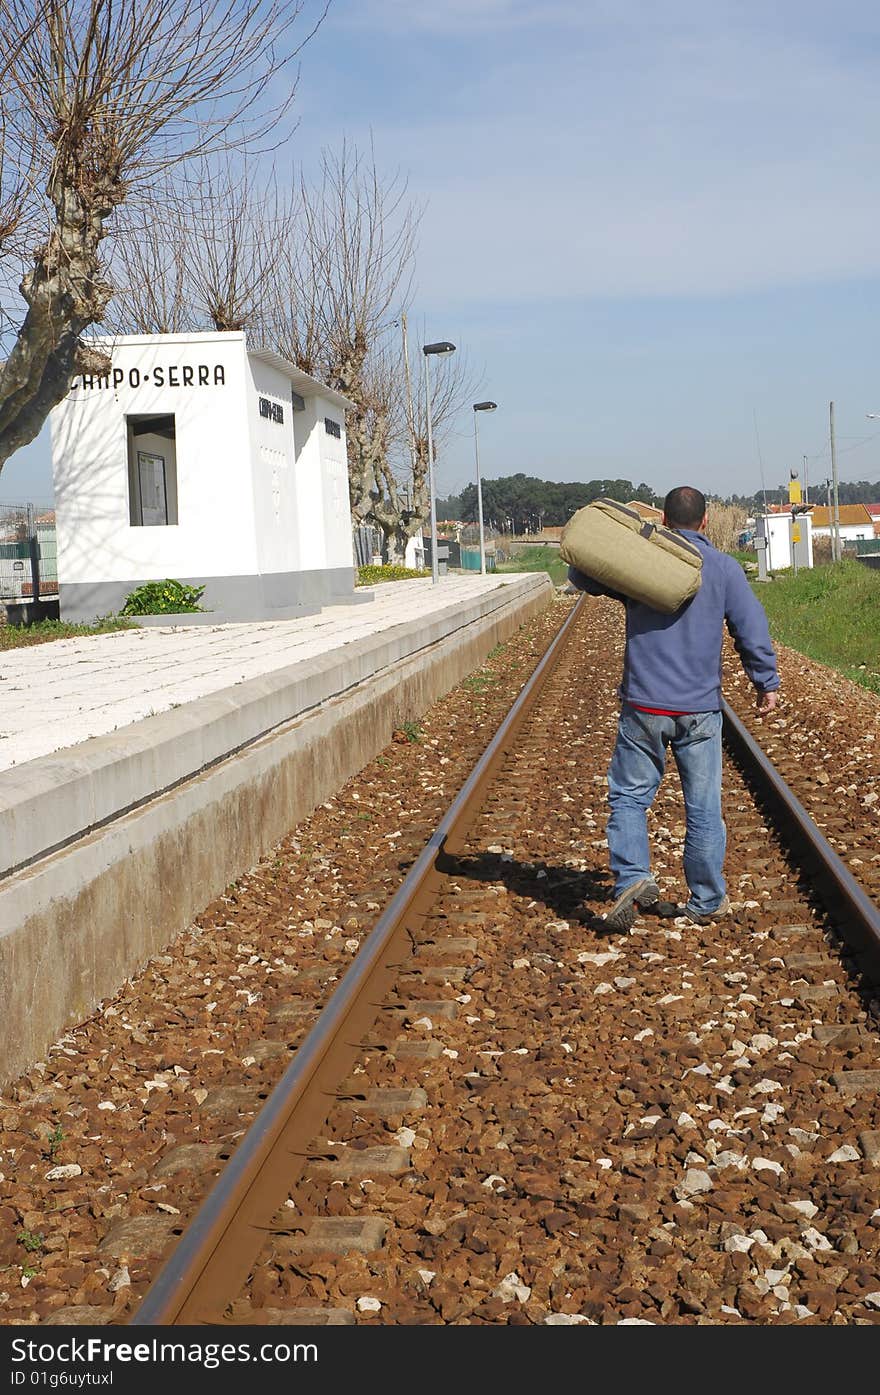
{"points": [[481, 407], [444, 347]]}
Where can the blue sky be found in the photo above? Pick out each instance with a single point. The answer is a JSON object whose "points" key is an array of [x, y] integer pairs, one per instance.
{"points": [[653, 227]]}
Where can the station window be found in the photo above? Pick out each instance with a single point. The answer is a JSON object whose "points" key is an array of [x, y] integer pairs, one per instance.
{"points": [[152, 470], [332, 428]]}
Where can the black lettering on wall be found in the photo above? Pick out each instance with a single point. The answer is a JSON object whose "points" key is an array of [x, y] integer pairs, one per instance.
{"points": [[203, 375], [159, 376], [332, 428], [134, 377], [219, 375], [173, 380], [187, 375], [118, 376]]}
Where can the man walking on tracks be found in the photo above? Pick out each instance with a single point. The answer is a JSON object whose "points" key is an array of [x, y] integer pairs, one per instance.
{"points": [[671, 696]]}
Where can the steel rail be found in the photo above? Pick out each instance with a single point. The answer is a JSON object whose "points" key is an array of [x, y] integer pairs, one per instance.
{"points": [[864, 913], [218, 1248]]}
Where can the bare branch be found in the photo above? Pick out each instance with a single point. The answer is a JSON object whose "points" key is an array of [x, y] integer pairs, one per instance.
{"points": [[98, 97]]}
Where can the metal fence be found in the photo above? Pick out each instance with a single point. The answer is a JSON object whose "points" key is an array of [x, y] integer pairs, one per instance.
{"points": [[28, 553]]}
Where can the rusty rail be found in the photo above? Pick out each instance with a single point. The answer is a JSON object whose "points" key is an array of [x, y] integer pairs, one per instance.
{"points": [[216, 1252]]}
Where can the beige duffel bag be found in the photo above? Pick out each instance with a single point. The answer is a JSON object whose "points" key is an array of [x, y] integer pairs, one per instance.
{"points": [[614, 545]]}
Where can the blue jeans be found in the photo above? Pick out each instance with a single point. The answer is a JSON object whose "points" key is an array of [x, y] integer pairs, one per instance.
{"points": [[634, 777]]}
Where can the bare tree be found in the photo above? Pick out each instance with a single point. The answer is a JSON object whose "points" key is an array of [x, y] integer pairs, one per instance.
{"points": [[347, 271], [209, 262], [399, 501], [98, 97]]}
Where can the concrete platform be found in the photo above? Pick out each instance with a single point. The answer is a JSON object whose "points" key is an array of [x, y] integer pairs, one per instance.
{"points": [[141, 772]]}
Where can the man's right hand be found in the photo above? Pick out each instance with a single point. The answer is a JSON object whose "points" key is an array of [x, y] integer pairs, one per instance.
{"points": [[766, 702]]}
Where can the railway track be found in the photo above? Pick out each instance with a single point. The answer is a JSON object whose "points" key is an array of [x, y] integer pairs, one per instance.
{"points": [[508, 1119], [711, 1136]]}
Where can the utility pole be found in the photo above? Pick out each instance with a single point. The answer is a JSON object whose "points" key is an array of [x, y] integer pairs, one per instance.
{"points": [[835, 526], [806, 484]]}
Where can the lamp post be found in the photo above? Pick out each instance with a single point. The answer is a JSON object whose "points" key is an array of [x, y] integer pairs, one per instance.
{"points": [[444, 347], [481, 407]]}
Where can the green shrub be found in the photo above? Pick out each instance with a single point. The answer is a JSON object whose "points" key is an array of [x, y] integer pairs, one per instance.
{"points": [[163, 598], [370, 575]]}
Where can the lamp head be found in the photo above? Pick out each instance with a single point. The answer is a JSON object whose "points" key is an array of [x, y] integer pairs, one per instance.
{"points": [[485, 406], [443, 347]]}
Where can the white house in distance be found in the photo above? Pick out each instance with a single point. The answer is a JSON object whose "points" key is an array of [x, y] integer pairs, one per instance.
{"points": [[199, 459]]}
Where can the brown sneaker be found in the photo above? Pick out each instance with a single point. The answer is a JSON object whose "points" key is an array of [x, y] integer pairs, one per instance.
{"points": [[693, 918], [622, 915]]}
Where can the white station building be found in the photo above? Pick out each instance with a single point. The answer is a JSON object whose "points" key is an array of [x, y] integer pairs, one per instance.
{"points": [[201, 460]]}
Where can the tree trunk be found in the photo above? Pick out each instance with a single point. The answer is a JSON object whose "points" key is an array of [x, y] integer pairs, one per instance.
{"points": [[65, 293]]}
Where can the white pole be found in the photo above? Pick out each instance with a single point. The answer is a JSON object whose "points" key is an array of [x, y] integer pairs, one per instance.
{"points": [[479, 500]]}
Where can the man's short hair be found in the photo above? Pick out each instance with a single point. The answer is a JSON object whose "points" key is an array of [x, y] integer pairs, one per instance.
{"points": [[684, 507]]}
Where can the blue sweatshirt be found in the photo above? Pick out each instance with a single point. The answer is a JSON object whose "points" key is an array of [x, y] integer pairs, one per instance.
{"points": [[674, 661]]}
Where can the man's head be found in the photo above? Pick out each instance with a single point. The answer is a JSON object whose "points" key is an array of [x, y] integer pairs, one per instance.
{"points": [[684, 507]]}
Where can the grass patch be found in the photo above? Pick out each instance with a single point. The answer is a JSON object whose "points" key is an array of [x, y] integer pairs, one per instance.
{"points": [[19, 636], [372, 575], [538, 559], [831, 614]]}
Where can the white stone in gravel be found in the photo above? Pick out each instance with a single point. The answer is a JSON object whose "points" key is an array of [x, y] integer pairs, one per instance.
{"points": [[600, 960], [686, 1121], [695, 1181], [603, 988], [522, 963], [624, 982], [845, 1154], [872, 1299], [352, 946], [803, 1136], [701, 1069], [635, 1322], [644, 1034], [121, 1279], [767, 1165], [106, 1104], [716, 1124], [741, 1063], [604, 1163], [814, 1239], [405, 1137], [671, 998], [567, 1320], [730, 1159], [451, 1052], [495, 1182], [427, 1275], [761, 1042], [738, 1244], [694, 1159], [512, 1288], [771, 1113], [765, 1087], [734, 1312], [59, 1174], [803, 1311], [424, 1022], [804, 1208], [368, 1304]]}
